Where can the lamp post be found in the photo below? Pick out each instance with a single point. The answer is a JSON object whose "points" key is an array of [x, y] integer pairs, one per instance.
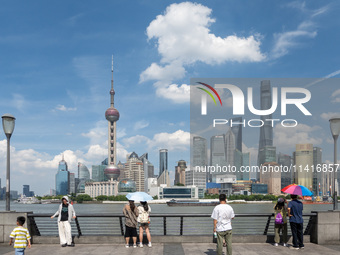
{"points": [[8, 122], [335, 129]]}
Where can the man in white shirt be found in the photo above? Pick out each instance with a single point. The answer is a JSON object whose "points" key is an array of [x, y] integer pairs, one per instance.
{"points": [[222, 215]]}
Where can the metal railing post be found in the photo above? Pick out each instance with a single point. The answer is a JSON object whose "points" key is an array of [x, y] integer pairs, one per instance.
{"points": [[121, 225], [34, 228], [78, 227], [267, 225], [164, 225], [181, 226]]}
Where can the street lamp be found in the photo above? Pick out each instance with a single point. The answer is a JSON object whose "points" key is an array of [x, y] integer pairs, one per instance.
{"points": [[335, 129], [8, 122]]}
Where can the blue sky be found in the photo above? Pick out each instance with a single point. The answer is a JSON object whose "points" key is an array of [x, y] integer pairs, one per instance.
{"points": [[56, 60]]}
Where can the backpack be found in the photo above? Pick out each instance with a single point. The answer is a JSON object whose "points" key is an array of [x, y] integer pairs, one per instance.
{"points": [[279, 219], [144, 217]]}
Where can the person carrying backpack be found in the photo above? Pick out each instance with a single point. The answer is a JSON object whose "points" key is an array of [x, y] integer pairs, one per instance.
{"points": [[143, 222], [280, 216]]}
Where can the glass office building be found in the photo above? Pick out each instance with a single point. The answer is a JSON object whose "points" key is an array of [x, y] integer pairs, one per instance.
{"points": [[163, 161], [62, 178]]}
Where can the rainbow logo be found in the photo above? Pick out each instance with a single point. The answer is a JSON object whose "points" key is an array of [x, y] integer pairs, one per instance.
{"points": [[209, 93]]}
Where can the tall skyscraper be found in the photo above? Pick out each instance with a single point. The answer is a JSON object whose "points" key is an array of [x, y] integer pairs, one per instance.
{"points": [[199, 153], [217, 154], [230, 147], [286, 176], [26, 190], [180, 172], [83, 171], [163, 161], [72, 183], [266, 131], [148, 170], [237, 131], [134, 170], [317, 161], [62, 178], [112, 116], [83, 177], [304, 164]]}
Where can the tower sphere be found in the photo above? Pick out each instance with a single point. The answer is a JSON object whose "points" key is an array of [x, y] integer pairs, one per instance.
{"points": [[112, 114], [112, 172]]}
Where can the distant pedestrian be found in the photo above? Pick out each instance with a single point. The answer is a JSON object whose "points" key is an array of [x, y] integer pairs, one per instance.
{"points": [[131, 213], [143, 220], [22, 237], [222, 215], [295, 208], [280, 212], [65, 214]]}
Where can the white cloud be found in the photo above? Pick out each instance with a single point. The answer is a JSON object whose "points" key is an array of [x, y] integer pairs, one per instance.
{"points": [[174, 70], [183, 34], [135, 140], [98, 134], [63, 108], [329, 115], [174, 92], [287, 137], [141, 124], [19, 102], [287, 40], [179, 140], [336, 96], [183, 38]]}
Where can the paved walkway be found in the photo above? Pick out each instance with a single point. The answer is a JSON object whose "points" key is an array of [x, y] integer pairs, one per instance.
{"points": [[173, 249]]}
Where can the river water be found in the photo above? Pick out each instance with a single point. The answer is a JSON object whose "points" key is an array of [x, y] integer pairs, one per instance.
{"points": [[192, 225], [156, 208]]}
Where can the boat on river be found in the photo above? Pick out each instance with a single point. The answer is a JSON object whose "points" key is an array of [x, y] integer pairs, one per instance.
{"points": [[174, 202]]}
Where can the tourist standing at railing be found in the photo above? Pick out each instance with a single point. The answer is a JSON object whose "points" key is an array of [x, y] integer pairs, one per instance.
{"points": [[143, 222], [131, 213], [65, 214], [280, 212], [222, 215], [295, 208]]}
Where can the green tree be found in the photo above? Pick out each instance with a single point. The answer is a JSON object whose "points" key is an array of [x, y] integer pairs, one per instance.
{"points": [[83, 197], [102, 198]]}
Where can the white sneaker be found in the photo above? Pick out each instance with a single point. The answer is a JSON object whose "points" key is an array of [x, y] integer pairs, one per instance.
{"points": [[285, 244], [141, 245], [134, 245], [150, 245], [126, 246], [293, 248], [276, 244]]}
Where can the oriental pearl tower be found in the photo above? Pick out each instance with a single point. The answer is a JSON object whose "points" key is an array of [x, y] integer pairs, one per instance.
{"points": [[112, 172]]}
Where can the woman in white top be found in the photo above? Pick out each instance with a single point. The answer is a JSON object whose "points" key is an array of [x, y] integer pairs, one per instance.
{"points": [[143, 222]]}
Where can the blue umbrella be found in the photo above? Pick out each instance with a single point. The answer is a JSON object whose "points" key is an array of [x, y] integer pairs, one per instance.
{"points": [[139, 196]]}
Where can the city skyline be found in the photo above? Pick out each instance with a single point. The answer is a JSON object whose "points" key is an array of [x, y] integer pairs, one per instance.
{"points": [[56, 71]]}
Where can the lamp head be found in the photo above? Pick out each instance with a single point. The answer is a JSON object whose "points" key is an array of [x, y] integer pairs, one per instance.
{"points": [[8, 122], [335, 126]]}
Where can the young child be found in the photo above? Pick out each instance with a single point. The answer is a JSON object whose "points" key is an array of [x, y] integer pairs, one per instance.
{"points": [[280, 221], [21, 236]]}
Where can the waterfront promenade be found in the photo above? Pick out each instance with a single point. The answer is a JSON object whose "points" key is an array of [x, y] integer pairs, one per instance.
{"points": [[172, 249]]}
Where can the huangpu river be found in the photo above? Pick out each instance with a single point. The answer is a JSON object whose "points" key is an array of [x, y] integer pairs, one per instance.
{"points": [[191, 225], [156, 208]]}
